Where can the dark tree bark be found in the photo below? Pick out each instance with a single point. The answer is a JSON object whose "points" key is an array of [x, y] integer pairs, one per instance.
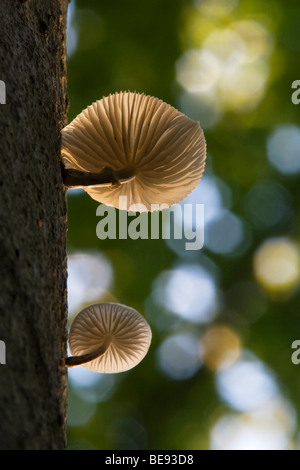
{"points": [[33, 300]]}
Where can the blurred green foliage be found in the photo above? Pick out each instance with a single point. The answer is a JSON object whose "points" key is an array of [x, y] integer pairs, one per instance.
{"points": [[138, 46]]}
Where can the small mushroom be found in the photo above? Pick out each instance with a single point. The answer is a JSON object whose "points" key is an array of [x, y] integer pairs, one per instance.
{"points": [[108, 338], [133, 145]]}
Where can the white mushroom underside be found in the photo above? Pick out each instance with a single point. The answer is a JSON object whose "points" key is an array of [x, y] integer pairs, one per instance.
{"points": [[129, 332], [165, 149]]}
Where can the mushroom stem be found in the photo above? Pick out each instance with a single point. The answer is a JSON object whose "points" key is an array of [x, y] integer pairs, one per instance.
{"points": [[76, 178], [73, 361]]}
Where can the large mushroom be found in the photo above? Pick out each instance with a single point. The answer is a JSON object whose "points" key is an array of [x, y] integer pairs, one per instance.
{"points": [[108, 338], [133, 145]]}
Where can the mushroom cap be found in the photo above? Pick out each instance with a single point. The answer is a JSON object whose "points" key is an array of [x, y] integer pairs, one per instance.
{"points": [[164, 148], [127, 329]]}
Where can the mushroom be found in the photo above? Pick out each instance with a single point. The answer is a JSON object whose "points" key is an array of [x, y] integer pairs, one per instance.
{"points": [[134, 145], [108, 338]]}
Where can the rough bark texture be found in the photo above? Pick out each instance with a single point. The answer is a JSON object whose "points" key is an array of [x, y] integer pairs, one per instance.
{"points": [[33, 300]]}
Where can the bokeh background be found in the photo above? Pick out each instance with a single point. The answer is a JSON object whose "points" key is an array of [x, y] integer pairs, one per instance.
{"points": [[219, 373]]}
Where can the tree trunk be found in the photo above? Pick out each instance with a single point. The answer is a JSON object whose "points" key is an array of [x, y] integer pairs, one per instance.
{"points": [[33, 300]]}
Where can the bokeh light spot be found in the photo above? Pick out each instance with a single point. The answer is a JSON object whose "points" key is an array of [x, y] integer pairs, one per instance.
{"points": [[179, 357], [269, 428], [189, 291], [71, 33], [226, 234], [198, 70], [221, 347], [277, 266], [247, 384], [231, 65], [283, 148], [89, 386], [90, 275], [267, 205], [205, 108]]}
